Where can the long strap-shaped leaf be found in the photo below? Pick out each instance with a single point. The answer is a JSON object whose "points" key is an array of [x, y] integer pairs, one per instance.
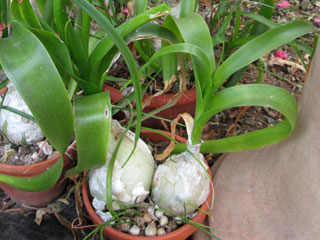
{"points": [[140, 6], [56, 48], [23, 12], [120, 43], [187, 7], [106, 43], [266, 11], [194, 30], [203, 69], [249, 95], [100, 56], [92, 126], [30, 68], [260, 46]]}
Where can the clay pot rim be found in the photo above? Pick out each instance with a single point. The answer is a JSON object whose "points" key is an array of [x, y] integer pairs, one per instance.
{"points": [[176, 234], [22, 170], [188, 97]]}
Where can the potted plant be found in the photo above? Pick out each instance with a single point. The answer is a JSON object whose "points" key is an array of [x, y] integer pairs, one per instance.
{"points": [[183, 29], [53, 110], [92, 112], [210, 101]]}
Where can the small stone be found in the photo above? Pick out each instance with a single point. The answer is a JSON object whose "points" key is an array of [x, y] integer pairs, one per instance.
{"points": [[158, 214], [140, 221], [47, 149], [161, 231], [150, 211], [150, 230], [173, 225], [124, 227], [178, 220], [163, 221], [147, 217], [34, 155], [134, 230], [23, 150]]}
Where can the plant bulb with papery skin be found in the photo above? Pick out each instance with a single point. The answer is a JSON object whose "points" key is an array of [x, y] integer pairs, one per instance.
{"points": [[181, 183], [18, 128], [130, 183]]}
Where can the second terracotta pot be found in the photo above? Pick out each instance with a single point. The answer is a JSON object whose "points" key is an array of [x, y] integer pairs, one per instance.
{"points": [[186, 103], [180, 234], [43, 198]]}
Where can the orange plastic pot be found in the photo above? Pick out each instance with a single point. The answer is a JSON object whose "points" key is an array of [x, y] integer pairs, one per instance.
{"points": [[180, 234], [186, 103], [43, 198]]}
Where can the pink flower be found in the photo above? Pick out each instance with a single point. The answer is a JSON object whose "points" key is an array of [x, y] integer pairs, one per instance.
{"points": [[126, 11], [284, 4], [317, 19], [281, 54]]}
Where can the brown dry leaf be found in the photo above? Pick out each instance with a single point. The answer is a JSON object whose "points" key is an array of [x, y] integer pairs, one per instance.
{"points": [[282, 62], [189, 125], [64, 200], [79, 203], [207, 3], [231, 130], [167, 86], [169, 149], [211, 134]]}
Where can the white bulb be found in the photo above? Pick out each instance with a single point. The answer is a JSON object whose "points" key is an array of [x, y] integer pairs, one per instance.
{"points": [[180, 183], [18, 127], [131, 183]]}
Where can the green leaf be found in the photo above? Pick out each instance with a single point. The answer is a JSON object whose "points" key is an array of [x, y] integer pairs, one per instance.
{"points": [[55, 47], [140, 6], [92, 127], [23, 12], [266, 11], [249, 95], [106, 44], [30, 68], [48, 14], [260, 46], [260, 19], [187, 7], [60, 17], [41, 5], [85, 29], [120, 43], [38, 183], [194, 30], [203, 68], [252, 140], [153, 30], [220, 36], [78, 52]]}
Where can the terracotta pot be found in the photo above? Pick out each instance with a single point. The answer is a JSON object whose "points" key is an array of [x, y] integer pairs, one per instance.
{"points": [[3, 90], [186, 103], [179, 234], [43, 198]]}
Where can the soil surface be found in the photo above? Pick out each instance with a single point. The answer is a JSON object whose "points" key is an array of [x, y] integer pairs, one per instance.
{"points": [[22, 154], [19, 223]]}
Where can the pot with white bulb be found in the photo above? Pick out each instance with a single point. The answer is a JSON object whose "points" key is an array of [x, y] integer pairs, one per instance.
{"points": [[181, 233], [17, 130]]}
